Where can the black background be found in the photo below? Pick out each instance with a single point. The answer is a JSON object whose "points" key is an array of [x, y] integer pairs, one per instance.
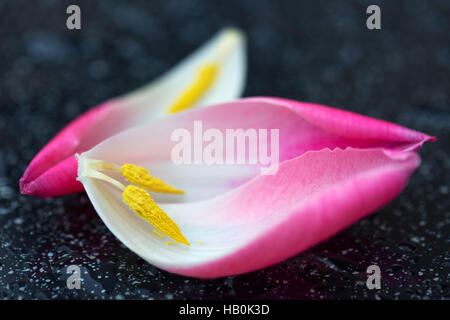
{"points": [[319, 51]]}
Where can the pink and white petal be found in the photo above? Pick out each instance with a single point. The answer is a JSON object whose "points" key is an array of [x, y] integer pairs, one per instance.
{"points": [[310, 199], [267, 219], [153, 100], [305, 126], [150, 145], [60, 149], [350, 125]]}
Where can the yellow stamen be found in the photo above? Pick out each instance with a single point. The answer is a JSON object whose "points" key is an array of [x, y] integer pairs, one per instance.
{"points": [[141, 177], [138, 199], [146, 208], [168, 242], [205, 78]]}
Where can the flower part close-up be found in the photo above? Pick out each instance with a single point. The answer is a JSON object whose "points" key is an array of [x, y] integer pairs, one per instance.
{"points": [[213, 74], [208, 220]]}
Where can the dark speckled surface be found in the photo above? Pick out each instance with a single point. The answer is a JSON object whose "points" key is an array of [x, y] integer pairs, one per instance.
{"points": [[316, 51]]}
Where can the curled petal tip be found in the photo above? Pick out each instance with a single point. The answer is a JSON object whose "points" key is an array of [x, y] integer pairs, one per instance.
{"points": [[58, 180], [24, 187]]}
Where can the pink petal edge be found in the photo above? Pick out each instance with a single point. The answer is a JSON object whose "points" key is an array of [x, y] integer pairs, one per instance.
{"points": [[302, 205], [52, 172], [336, 168]]}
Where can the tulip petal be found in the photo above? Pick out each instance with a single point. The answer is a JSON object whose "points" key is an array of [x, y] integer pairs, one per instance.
{"points": [[269, 218], [297, 135], [354, 126], [331, 173], [227, 49]]}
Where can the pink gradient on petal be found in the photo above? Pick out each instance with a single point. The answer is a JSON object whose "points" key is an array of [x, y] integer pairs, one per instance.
{"points": [[59, 179], [41, 178], [306, 126], [351, 125], [311, 198], [303, 127]]}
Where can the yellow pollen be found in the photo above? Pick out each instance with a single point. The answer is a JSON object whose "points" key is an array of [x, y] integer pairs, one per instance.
{"points": [[204, 80], [159, 234], [141, 177], [137, 198], [146, 208]]}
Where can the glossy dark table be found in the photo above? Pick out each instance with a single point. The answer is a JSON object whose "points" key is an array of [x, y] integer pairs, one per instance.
{"points": [[317, 51]]}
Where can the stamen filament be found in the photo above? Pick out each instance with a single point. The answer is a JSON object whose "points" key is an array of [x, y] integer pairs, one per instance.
{"points": [[104, 177], [137, 175], [137, 198]]}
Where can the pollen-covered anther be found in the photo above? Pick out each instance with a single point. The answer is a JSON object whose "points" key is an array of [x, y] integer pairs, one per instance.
{"points": [[205, 78], [145, 207], [137, 198], [141, 177]]}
